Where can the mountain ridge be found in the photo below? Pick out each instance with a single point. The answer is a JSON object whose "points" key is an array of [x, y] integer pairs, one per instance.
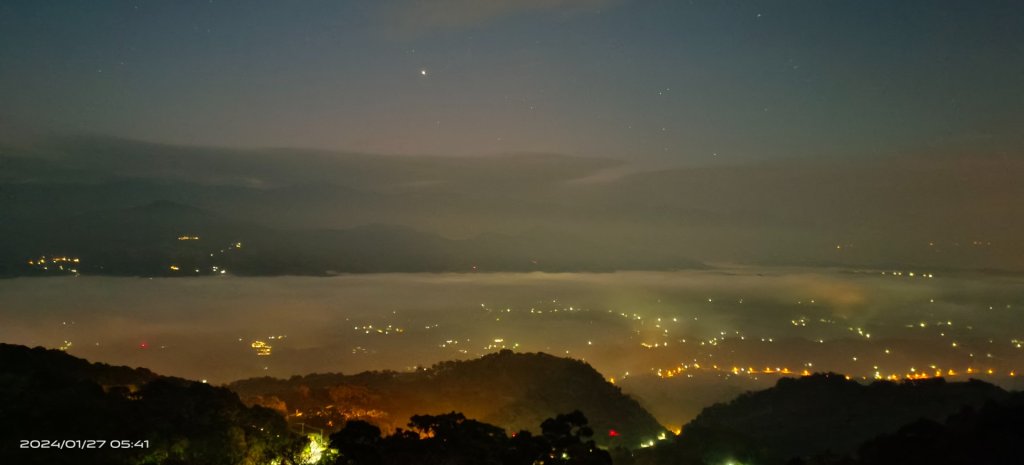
{"points": [[512, 390]]}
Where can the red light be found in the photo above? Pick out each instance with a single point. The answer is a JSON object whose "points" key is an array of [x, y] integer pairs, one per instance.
{"points": [[143, 345], [612, 433]]}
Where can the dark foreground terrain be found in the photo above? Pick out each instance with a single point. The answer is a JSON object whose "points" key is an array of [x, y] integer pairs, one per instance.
{"points": [[479, 412]]}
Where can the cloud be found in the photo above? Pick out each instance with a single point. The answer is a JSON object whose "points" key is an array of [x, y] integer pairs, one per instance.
{"points": [[415, 17]]}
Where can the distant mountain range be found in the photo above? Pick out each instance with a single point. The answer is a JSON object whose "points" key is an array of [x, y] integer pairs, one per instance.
{"points": [[119, 206], [165, 238]]}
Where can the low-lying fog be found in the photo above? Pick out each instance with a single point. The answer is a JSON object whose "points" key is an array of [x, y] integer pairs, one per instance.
{"points": [[731, 328]]}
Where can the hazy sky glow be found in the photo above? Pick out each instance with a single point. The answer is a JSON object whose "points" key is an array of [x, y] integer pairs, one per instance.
{"points": [[660, 80]]}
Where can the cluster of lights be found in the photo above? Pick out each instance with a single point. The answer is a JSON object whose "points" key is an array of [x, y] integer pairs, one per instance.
{"points": [[382, 330], [214, 269], [262, 348], [62, 263], [909, 274], [912, 374], [499, 343]]}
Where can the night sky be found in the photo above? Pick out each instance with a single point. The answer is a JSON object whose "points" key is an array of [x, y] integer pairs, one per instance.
{"points": [[651, 81], [694, 197]]}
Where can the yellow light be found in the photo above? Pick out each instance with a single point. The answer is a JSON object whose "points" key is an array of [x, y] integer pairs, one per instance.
{"points": [[262, 348], [315, 450]]}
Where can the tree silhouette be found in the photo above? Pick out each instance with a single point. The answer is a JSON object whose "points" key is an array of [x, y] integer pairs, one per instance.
{"points": [[571, 440], [453, 439], [358, 443]]}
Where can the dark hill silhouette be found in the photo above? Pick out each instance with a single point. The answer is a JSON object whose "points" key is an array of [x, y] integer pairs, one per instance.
{"points": [[819, 415], [991, 434], [516, 391], [48, 395], [24, 361]]}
